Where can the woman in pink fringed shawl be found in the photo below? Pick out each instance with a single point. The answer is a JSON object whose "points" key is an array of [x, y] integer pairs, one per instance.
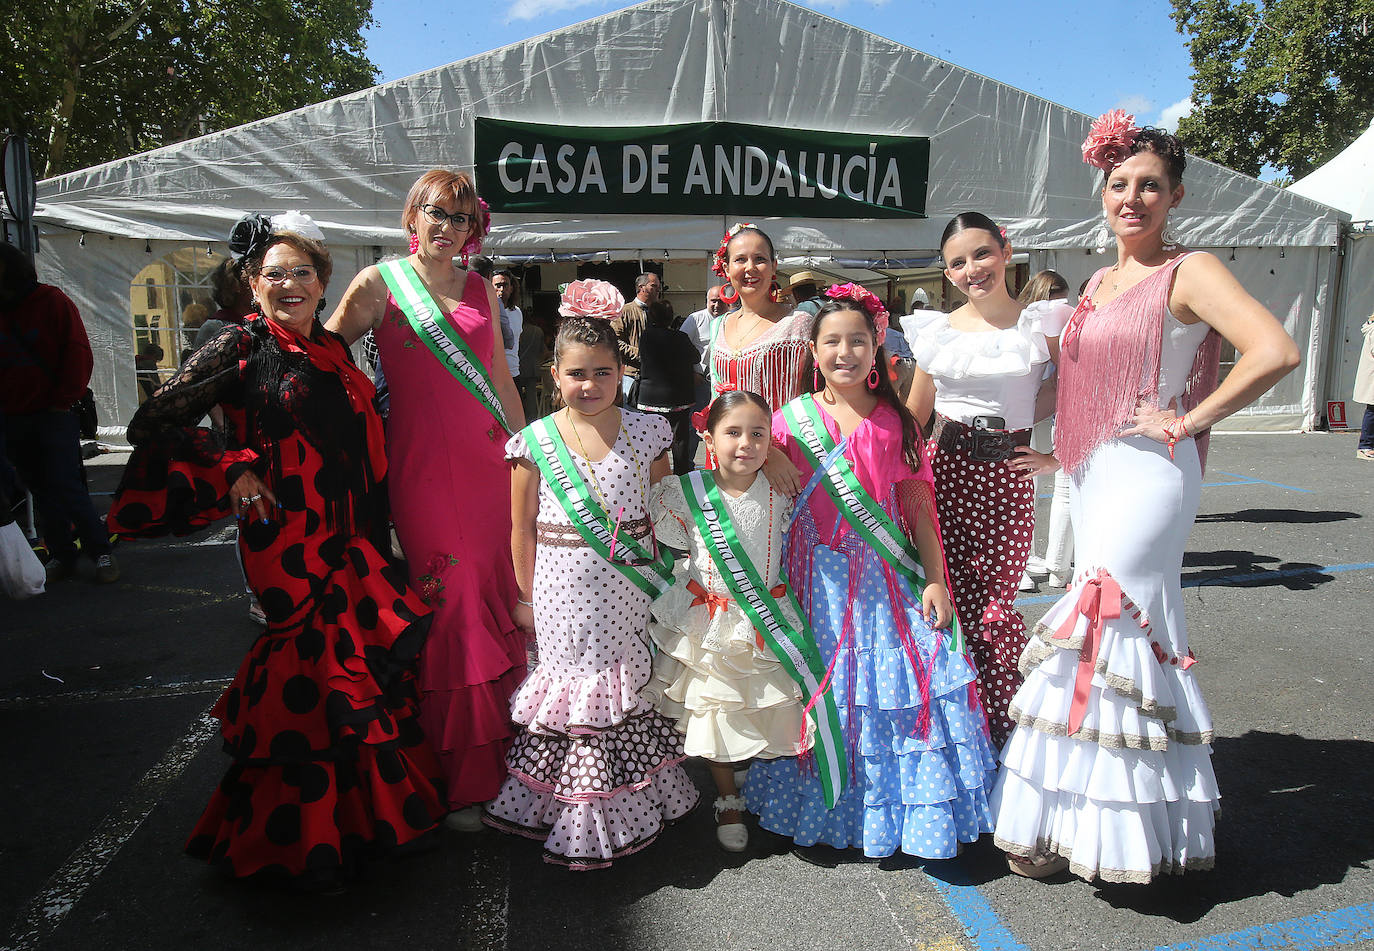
{"points": [[1108, 772]]}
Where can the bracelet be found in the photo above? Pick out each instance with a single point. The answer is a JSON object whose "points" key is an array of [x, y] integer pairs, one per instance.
{"points": [[528, 604]]}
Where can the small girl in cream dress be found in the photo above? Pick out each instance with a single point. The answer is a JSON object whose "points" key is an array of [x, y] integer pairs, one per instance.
{"points": [[714, 673]]}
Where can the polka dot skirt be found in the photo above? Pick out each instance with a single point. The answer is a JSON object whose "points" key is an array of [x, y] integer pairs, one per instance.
{"points": [[987, 517]]}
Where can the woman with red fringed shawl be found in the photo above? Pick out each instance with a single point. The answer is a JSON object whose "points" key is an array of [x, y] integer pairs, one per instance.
{"points": [[1108, 772]]}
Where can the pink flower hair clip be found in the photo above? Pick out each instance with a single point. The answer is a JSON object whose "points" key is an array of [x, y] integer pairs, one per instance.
{"points": [[474, 244], [866, 299], [1110, 139], [591, 298]]}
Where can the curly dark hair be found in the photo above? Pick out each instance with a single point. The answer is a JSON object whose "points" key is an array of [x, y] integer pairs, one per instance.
{"points": [[1167, 146], [324, 265]]}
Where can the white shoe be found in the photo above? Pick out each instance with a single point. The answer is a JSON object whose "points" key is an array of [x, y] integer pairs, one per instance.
{"points": [[1027, 583], [1058, 580], [1036, 567], [465, 820], [732, 836]]}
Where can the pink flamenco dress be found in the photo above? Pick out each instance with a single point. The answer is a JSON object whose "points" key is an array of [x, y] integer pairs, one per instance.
{"points": [[450, 501]]}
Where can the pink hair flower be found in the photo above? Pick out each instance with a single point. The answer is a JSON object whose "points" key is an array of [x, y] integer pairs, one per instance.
{"points": [[1110, 139], [473, 245], [591, 298], [869, 301]]}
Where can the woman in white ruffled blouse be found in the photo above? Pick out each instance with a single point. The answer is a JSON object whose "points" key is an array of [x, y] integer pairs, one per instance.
{"points": [[983, 369]]}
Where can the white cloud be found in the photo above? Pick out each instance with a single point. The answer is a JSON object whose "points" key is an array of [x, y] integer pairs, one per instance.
{"points": [[1135, 105], [530, 9], [1168, 118]]}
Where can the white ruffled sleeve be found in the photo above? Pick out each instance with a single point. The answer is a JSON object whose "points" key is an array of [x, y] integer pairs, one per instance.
{"points": [[672, 518], [517, 448], [1046, 317]]}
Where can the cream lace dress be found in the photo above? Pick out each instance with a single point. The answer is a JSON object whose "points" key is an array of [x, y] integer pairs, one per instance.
{"points": [[713, 674]]}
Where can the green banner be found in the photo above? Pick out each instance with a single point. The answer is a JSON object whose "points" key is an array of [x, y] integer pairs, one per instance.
{"points": [[700, 168]]}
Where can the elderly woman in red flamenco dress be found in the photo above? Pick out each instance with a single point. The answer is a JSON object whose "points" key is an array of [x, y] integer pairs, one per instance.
{"points": [[330, 768]]}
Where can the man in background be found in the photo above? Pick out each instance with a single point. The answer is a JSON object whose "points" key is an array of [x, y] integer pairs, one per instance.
{"points": [[45, 364]]}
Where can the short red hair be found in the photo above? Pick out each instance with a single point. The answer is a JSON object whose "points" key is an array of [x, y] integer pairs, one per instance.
{"points": [[440, 184]]}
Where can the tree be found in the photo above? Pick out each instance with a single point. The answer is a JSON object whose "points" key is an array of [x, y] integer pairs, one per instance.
{"points": [[1281, 83], [95, 80]]}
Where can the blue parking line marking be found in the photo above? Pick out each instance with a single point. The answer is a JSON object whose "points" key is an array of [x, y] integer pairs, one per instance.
{"points": [[1251, 480], [984, 929], [1323, 930], [1227, 579]]}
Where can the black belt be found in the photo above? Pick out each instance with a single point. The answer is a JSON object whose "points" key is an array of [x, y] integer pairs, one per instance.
{"points": [[980, 441]]}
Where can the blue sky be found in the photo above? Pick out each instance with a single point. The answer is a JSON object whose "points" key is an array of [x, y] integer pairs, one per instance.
{"points": [[1088, 56]]}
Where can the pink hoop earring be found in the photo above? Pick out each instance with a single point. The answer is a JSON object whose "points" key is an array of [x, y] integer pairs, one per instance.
{"points": [[873, 377], [815, 379], [464, 259], [414, 242]]}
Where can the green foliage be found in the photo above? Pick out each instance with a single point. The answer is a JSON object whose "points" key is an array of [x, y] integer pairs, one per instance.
{"points": [[95, 80], [1285, 83]]}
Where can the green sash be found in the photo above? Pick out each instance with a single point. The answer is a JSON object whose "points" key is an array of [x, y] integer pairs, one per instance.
{"points": [[442, 338], [795, 648], [859, 509], [588, 516]]}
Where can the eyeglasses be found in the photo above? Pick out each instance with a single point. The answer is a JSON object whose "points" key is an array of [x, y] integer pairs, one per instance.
{"points": [[301, 274], [438, 216]]}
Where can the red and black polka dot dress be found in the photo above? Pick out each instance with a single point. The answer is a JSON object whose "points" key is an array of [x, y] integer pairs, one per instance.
{"points": [[987, 517], [330, 767]]}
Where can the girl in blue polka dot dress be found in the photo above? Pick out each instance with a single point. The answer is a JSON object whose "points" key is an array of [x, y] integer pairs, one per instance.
{"points": [[865, 559]]}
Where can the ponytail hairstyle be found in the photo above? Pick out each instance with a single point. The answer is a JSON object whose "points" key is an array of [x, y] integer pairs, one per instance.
{"points": [[884, 391], [590, 332], [970, 221]]}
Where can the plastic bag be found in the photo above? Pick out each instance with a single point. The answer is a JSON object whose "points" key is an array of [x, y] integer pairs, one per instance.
{"points": [[21, 573]]}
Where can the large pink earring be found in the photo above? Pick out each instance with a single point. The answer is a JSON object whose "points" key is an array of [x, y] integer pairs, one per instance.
{"points": [[873, 377], [729, 293], [815, 379], [414, 242], [775, 292], [464, 259]]}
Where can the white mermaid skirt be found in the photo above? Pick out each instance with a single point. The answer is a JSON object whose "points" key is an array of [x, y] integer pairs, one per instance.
{"points": [[1110, 763]]}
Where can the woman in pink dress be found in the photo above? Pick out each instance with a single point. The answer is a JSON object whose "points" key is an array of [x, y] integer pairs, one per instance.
{"points": [[453, 406]]}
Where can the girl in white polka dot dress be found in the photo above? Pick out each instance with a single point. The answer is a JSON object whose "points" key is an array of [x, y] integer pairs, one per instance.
{"points": [[594, 773], [864, 557]]}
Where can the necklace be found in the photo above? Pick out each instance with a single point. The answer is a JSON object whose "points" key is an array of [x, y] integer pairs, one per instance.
{"points": [[745, 339], [572, 424]]}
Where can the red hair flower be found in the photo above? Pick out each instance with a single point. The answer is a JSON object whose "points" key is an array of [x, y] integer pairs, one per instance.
{"points": [[591, 298], [1110, 139], [700, 416], [866, 299], [718, 265]]}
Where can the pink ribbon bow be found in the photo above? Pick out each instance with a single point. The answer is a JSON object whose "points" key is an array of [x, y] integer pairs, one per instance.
{"points": [[1099, 601]]}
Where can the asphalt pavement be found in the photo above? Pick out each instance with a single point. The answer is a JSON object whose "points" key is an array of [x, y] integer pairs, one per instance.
{"points": [[109, 758]]}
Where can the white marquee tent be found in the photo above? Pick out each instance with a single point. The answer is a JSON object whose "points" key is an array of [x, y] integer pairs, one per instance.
{"points": [[1347, 182], [348, 163]]}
